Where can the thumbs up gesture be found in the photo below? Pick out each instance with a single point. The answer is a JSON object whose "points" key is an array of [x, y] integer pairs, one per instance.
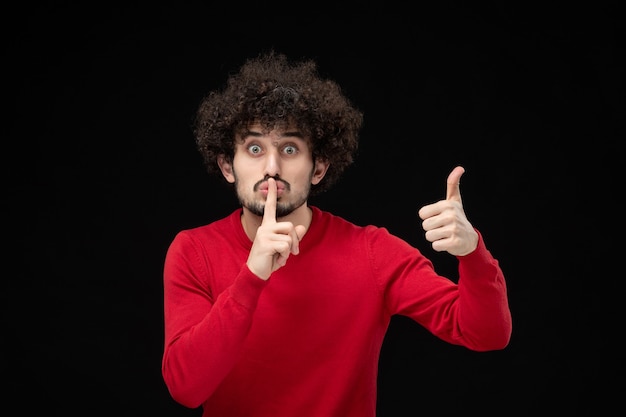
{"points": [[445, 222]]}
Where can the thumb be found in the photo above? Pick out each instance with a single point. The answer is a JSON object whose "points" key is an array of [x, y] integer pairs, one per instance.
{"points": [[295, 246], [300, 231], [453, 190]]}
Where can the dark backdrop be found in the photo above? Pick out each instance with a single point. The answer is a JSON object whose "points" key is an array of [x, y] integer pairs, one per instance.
{"points": [[101, 171]]}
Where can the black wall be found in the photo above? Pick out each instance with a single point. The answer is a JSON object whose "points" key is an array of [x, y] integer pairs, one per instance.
{"points": [[101, 171]]}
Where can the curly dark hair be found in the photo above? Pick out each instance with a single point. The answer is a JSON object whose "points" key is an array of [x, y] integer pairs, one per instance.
{"points": [[272, 91]]}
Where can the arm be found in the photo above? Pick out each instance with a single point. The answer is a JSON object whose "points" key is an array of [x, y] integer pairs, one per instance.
{"points": [[483, 313], [484, 318], [208, 318], [204, 332]]}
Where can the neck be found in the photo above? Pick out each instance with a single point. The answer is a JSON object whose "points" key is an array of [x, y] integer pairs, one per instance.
{"points": [[251, 222]]}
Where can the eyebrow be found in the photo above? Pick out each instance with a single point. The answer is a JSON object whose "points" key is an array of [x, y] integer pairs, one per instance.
{"points": [[290, 134]]}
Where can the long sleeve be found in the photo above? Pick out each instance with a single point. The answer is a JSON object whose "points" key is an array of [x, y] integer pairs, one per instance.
{"points": [[306, 341], [485, 321], [203, 335], [474, 313]]}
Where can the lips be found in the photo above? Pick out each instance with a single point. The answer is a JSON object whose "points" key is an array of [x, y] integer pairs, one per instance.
{"points": [[280, 187]]}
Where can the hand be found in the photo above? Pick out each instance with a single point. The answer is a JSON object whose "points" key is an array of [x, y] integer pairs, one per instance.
{"points": [[274, 241], [445, 222]]}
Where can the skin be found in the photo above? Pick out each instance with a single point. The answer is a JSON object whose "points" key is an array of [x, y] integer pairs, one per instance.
{"points": [[273, 173], [445, 223]]}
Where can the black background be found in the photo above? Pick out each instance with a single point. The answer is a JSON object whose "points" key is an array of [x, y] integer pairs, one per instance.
{"points": [[101, 171]]}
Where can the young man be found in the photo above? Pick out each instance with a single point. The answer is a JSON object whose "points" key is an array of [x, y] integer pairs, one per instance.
{"points": [[280, 309]]}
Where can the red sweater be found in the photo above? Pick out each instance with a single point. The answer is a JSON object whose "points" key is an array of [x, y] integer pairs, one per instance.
{"points": [[306, 342]]}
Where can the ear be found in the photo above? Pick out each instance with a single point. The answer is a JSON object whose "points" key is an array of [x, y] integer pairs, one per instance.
{"points": [[319, 170], [226, 167]]}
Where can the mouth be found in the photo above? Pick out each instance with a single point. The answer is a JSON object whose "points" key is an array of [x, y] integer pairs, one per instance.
{"points": [[280, 188]]}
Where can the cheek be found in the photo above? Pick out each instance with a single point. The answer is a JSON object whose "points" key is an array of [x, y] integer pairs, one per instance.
{"points": [[297, 173], [243, 168], [243, 176]]}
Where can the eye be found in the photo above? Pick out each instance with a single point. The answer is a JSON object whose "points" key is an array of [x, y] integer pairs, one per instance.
{"points": [[254, 149], [290, 150]]}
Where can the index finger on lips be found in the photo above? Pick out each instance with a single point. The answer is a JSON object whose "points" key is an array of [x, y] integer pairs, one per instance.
{"points": [[269, 213]]}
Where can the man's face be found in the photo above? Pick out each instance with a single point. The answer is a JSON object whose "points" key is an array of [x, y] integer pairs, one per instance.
{"points": [[282, 154]]}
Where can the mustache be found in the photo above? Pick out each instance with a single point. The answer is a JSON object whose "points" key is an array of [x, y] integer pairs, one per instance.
{"points": [[276, 178]]}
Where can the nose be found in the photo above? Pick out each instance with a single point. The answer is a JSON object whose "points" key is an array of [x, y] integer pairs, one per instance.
{"points": [[272, 163]]}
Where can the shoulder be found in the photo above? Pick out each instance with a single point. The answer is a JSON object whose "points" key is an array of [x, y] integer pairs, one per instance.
{"points": [[327, 222], [225, 226]]}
